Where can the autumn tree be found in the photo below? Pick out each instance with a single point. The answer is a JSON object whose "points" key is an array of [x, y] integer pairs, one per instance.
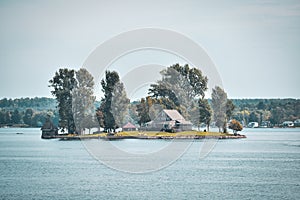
{"points": [[63, 83], [219, 102], [235, 126], [83, 99]]}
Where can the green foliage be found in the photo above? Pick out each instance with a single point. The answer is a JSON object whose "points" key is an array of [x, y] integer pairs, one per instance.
{"points": [[179, 89], [274, 110], [261, 105], [83, 100], [133, 114], [37, 103], [27, 118], [63, 83], [176, 79], [120, 105], [16, 117], [205, 112], [254, 117], [5, 117], [39, 118], [229, 109], [114, 104], [191, 76], [143, 111], [219, 102]]}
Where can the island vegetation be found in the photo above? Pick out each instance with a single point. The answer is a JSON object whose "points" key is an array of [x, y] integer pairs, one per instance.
{"points": [[181, 88]]}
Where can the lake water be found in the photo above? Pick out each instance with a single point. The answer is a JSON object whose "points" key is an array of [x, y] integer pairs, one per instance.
{"points": [[265, 165]]}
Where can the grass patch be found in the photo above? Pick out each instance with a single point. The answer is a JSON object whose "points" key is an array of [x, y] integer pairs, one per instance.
{"points": [[151, 134], [166, 134]]}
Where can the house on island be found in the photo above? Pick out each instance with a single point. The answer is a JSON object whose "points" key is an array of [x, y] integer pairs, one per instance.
{"points": [[169, 120], [129, 127], [49, 129]]}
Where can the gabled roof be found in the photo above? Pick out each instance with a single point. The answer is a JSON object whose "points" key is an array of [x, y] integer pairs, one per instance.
{"points": [[176, 116], [129, 125], [184, 121]]}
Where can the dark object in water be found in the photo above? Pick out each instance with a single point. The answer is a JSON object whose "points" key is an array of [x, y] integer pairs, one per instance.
{"points": [[19, 133], [49, 130]]}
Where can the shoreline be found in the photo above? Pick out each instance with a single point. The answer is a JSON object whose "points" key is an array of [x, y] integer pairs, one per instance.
{"points": [[148, 136]]}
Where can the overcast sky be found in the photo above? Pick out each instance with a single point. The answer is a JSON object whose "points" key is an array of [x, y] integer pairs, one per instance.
{"points": [[254, 44]]}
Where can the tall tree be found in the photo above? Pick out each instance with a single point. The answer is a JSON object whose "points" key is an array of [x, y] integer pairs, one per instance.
{"points": [[219, 101], [120, 104], [83, 99], [205, 112], [229, 109], [63, 83], [114, 93], [143, 110]]}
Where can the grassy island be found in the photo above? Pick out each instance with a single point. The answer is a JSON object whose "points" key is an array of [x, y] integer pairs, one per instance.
{"points": [[151, 135]]}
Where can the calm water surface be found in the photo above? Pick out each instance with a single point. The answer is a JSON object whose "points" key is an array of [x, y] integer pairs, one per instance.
{"points": [[266, 165]]}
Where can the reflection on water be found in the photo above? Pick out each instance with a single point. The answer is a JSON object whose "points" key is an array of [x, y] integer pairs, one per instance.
{"points": [[265, 165]]}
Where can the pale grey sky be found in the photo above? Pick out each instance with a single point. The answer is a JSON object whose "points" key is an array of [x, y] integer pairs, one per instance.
{"points": [[254, 44]]}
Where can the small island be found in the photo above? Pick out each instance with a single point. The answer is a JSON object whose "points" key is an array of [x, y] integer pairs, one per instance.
{"points": [[169, 125], [147, 135], [174, 108]]}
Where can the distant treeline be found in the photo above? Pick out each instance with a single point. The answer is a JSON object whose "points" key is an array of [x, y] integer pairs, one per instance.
{"points": [[28, 112], [274, 110], [21, 104], [31, 112], [34, 111]]}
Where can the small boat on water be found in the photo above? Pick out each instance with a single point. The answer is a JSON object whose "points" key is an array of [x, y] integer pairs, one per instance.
{"points": [[253, 125], [288, 124]]}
